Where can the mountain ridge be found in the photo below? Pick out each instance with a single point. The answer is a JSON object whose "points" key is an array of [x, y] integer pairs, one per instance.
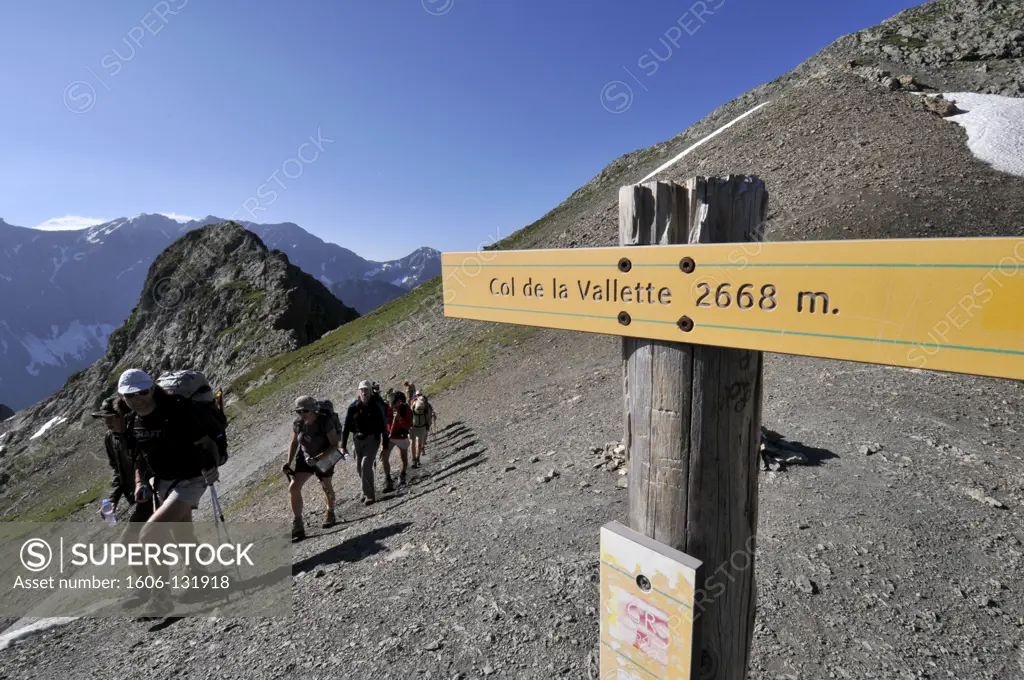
{"points": [[239, 302], [63, 292]]}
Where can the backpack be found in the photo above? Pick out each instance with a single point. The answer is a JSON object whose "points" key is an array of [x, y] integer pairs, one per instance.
{"points": [[192, 388], [420, 412], [327, 409]]}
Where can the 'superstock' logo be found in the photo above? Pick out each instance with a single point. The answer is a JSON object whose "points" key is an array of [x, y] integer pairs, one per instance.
{"points": [[36, 554]]}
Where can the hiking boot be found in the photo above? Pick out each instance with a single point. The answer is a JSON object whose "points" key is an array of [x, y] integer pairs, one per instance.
{"points": [[389, 488], [402, 479], [329, 521], [367, 501], [298, 531]]}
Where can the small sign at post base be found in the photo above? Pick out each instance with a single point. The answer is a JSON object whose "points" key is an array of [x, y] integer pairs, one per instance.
{"points": [[647, 592]]}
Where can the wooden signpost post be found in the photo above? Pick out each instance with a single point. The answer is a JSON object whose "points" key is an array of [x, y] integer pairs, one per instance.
{"points": [[697, 296]]}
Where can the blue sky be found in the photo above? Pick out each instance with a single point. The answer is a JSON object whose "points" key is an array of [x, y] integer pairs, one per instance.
{"points": [[448, 123]]}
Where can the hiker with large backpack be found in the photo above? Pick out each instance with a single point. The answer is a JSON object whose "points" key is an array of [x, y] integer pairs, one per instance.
{"points": [[172, 431], [422, 418], [399, 421], [314, 450], [365, 420]]}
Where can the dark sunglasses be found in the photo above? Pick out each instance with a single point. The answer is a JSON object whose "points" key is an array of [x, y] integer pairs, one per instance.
{"points": [[140, 393], [302, 410]]}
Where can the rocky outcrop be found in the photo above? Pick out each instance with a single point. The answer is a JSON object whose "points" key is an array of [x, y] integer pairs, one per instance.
{"points": [[977, 41]]}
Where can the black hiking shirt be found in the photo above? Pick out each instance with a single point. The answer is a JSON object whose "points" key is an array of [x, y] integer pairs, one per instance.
{"points": [[365, 419], [166, 437], [122, 462]]}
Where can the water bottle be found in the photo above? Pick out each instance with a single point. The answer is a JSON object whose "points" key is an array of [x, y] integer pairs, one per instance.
{"points": [[107, 512]]}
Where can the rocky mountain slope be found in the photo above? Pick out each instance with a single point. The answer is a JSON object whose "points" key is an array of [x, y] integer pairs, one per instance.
{"points": [[62, 293], [217, 300], [897, 553]]}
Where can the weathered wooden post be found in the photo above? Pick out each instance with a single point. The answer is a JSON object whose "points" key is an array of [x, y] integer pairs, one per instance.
{"points": [[692, 421]]}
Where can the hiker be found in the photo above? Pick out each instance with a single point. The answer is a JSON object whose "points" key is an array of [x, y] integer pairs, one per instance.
{"points": [[423, 417], [410, 390], [365, 420], [399, 421], [168, 439], [119, 455], [172, 443], [121, 458], [313, 437]]}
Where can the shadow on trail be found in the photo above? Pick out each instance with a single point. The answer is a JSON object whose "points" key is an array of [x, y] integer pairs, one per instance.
{"points": [[422, 479], [352, 549], [471, 456], [417, 490], [449, 439], [787, 452], [449, 431], [169, 621], [465, 445]]}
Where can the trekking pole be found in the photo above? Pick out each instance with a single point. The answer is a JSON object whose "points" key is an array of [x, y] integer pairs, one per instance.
{"points": [[215, 504], [218, 512]]}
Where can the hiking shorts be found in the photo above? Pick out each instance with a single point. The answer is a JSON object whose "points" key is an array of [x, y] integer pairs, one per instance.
{"points": [[400, 443], [302, 466], [185, 490], [418, 432]]}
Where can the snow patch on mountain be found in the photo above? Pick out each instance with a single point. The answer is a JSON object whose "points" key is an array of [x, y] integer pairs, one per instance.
{"points": [[59, 262], [995, 128], [137, 263], [58, 347], [707, 138], [181, 219], [30, 628], [96, 234], [69, 223], [56, 420]]}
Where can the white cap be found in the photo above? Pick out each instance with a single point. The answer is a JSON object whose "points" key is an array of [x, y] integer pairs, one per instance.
{"points": [[134, 380], [365, 385]]}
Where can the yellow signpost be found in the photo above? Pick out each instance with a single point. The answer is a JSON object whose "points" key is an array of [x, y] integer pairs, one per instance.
{"points": [[647, 607], [952, 305], [937, 304]]}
